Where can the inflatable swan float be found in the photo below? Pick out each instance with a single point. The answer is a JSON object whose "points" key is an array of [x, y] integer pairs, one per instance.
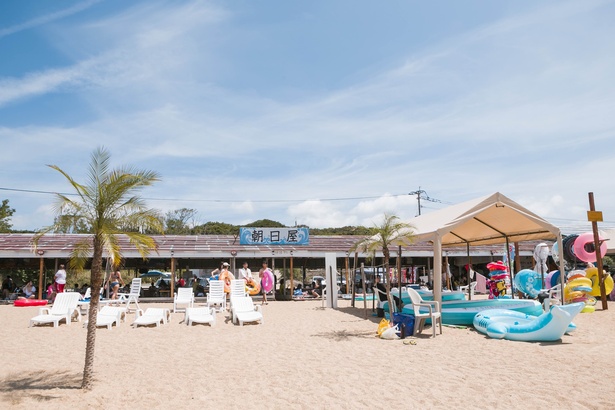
{"points": [[511, 325]]}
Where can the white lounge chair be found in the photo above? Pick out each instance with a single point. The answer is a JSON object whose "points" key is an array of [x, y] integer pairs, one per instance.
{"points": [[109, 315], [471, 288], [243, 310], [434, 314], [133, 296], [64, 308], [216, 295], [238, 289], [377, 293], [152, 316], [184, 296], [200, 315], [555, 297]]}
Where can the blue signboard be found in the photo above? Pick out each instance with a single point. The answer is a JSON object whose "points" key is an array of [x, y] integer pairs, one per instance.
{"points": [[274, 236]]}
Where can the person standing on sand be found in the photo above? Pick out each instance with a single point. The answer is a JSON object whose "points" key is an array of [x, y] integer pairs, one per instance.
{"points": [[60, 279], [261, 275], [114, 283], [245, 272]]}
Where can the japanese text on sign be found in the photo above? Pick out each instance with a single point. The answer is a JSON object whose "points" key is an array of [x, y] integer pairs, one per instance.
{"points": [[274, 236]]}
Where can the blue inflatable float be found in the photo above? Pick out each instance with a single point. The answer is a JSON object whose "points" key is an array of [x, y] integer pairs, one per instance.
{"points": [[510, 325]]}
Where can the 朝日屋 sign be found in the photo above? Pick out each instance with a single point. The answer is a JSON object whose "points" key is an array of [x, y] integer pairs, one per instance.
{"points": [[274, 236]]}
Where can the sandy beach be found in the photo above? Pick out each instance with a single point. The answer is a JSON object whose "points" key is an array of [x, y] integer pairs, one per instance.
{"points": [[302, 357]]}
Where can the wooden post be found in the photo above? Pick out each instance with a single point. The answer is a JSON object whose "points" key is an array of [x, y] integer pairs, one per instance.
{"points": [[364, 289], [354, 270], [40, 277], [347, 263], [399, 269], [292, 281], [172, 276], [594, 217]]}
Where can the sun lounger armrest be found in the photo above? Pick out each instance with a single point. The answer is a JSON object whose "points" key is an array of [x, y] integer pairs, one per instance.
{"points": [[43, 311], [167, 316], [138, 313]]}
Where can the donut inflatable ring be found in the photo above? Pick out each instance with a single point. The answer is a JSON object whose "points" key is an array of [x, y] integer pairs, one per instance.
{"points": [[584, 247], [253, 287], [227, 277], [267, 281], [592, 274]]}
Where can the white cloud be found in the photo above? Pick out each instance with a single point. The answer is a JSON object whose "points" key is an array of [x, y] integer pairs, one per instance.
{"points": [[41, 20]]}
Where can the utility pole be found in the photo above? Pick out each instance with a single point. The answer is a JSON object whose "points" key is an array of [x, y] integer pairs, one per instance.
{"points": [[420, 194]]}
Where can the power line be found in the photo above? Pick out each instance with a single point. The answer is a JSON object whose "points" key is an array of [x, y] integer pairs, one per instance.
{"points": [[34, 191], [422, 195]]}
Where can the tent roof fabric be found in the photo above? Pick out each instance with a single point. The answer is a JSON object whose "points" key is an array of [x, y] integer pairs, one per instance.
{"points": [[482, 221]]}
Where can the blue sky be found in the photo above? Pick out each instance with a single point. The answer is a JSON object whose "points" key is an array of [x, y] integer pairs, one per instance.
{"points": [[274, 107]]}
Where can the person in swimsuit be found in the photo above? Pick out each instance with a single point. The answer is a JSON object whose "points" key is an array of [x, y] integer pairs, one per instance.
{"points": [[114, 283]]}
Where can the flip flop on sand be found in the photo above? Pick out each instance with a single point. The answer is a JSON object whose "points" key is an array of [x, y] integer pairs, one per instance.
{"points": [[410, 342]]}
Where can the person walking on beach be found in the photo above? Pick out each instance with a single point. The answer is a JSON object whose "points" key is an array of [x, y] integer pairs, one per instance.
{"points": [[261, 275], [60, 279], [114, 283], [245, 272]]}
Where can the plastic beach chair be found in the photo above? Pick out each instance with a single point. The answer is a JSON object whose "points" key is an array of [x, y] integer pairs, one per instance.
{"points": [[200, 315], [434, 314], [243, 310], [377, 293], [133, 296], [238, 289], [216, 295], [107, 316], [152, 316], [64, 308], [471, 288], [184, 296]]}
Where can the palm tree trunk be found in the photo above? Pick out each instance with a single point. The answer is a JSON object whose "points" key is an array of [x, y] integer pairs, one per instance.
{"points": [[95, 284]]}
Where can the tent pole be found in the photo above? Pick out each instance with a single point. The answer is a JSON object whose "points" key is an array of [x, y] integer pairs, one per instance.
{"points": [[562, 268], [437, 269], [364, 289], [510, 268]]}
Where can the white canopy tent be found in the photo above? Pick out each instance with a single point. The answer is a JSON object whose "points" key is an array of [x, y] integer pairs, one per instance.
{"points": [[488, 220]]}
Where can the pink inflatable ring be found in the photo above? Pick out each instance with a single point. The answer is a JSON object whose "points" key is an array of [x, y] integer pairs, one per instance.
{"points": [[584, 247]]}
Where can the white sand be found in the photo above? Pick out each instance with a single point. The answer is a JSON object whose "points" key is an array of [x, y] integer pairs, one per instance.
{"points": [[302, 357]]}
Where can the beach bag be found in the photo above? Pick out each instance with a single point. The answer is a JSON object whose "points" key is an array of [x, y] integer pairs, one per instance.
{"points": [[382, 326]]}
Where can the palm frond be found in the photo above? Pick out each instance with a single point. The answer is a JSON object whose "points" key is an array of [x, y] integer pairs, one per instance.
{"points": [[81, 253]]}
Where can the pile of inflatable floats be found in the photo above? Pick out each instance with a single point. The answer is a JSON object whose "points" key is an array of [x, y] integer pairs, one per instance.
{"points": [[503, 317]]}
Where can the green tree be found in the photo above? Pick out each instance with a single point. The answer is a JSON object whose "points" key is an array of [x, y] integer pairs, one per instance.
{"points": [[5, 216], [177, 222], [217, 228], [108, 201], [391, 232], [265, 223]]}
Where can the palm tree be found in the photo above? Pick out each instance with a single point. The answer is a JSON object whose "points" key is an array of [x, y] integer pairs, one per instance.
{"points": [[106, 204], [391, 232]]}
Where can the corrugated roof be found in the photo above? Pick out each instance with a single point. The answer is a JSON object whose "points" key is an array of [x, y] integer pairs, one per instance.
{"points": [[215, 246]]}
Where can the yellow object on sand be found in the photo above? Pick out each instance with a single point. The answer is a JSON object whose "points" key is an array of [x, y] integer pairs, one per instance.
{"points": [[382, 326], [592, 275], [589, 309]]}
